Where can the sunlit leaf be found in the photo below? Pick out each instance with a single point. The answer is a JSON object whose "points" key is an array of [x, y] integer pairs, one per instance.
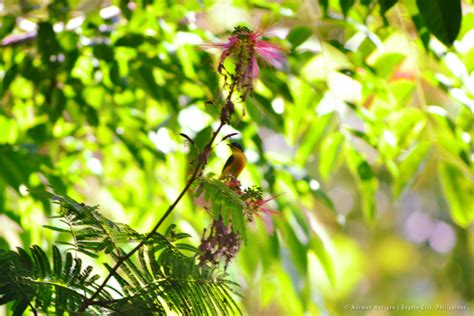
{"points": [[409, 167], [311, 140], [321, 252], [324, 198], [385, 5], [346, 5], [297, 248], [458, 191], [366, 181], [324, 4], [299, 35], [331, 151], [386, 64]]}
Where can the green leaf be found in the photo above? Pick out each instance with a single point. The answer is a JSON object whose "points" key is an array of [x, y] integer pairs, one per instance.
{"points": [[324, 198], [16, 166], [299, 35], [261, 111], [202, 138], [410, 166], [321, 125], [91, 114], [385, 5], [144, 75], [406, 126], [130, 40], [57, 10], [324, 4], [88, 253], [277, 85], [28, 277], [364, 171], [386, 64], [365, 179], [346, 5], [423, 32], [8, 24], [61, 230], [458, 191], [47, 42], [366, 2], [8, 78], [238, 224], [317, 245], [442, 17], [330, 154], [297, 249], [104, 52], [20, 306], [57, 105], [57, 262]]}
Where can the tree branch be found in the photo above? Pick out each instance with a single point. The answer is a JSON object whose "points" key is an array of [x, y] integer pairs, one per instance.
{"points": [[226, 113]]}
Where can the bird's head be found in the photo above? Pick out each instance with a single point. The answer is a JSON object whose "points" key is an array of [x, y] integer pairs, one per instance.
{"points": [[236, 147]]}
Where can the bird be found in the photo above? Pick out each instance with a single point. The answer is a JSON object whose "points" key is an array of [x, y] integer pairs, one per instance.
{"points": [[235, 163]]}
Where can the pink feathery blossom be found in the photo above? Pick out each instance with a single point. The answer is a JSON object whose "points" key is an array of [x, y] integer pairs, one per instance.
{"points": [[245, 46], [256, 205], [263, 212]]}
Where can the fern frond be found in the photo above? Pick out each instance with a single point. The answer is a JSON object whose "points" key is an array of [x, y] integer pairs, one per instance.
{"points": [[162, 277], [224, 202], [30, 279], [164, 280], [91, 231]]}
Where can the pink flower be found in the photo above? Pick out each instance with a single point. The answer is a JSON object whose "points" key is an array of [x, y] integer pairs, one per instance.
{"points": [[256, 205], [271, 53], [245, 46], [259, 209]]}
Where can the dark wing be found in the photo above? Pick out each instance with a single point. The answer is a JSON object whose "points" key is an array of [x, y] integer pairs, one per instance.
{"points": [[228, 162]]}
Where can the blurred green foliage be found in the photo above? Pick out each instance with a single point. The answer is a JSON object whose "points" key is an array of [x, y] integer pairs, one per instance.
{"points": [[365, 138]]}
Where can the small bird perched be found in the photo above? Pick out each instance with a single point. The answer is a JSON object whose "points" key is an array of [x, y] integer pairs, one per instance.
{"points": [[235, 163]]}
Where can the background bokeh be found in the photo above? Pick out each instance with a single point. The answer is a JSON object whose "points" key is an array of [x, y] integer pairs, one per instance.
{"points": [[365, 138]]}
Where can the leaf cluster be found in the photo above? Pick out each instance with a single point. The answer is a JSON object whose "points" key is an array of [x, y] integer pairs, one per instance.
{"points": [[91, 232], [162, 277], [224, 202], [56, 284]]}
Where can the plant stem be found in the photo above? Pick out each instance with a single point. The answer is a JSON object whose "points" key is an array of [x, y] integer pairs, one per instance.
{"points": [[200, 165], [122, 259]]}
